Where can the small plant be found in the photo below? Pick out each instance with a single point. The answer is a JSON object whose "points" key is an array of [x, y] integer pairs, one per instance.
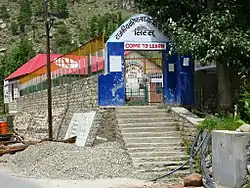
{"points": [[4, 14], [245, 106], [224, 123], [14, 28]]}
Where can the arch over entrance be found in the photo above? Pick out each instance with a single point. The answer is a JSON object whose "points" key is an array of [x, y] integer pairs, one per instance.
{"points": [[139, 33]]}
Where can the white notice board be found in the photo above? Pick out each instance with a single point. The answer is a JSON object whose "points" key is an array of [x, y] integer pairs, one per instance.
{"points": [[80, 126], [115, 63]]}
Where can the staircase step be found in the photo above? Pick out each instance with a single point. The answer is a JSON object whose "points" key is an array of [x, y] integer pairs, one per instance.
{"points": [[156, 149], [149, 124], [145, 110], [157, 154], [157, 164], [142, 114], [140, 159], [169, 139], [149, 134], [137, 107], [150, 145], [163, 169], [177, 177], [148, 129], [144, 119]]}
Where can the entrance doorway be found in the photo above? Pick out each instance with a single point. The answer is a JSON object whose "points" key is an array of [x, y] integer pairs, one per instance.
{"points": [[143, 75]]}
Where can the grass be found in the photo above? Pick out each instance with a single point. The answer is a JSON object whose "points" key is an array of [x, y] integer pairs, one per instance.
{"points": [[224, 123]]}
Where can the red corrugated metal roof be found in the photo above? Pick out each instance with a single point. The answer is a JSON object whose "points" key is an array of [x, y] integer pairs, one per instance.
{"points": [[32, 65], [40, 61]]}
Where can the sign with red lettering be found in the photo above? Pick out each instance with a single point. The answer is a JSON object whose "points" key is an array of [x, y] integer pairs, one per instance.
{"points": [[144, 46]]}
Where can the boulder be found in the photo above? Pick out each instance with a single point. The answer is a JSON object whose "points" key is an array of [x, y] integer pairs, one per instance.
{"points": [[3, 25], [244, 128], [194, 180]]}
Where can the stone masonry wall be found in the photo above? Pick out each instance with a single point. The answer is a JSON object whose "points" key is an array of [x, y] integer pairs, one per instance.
{"points": [[187, 122], [78, 96]]}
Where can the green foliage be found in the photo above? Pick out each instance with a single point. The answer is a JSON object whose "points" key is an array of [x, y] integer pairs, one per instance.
{"points": [[212, 31], [100, 24], [62, 8], [19, 55], [24, 17], [244, 106], [225, 123], [14, 28], [4, 14], [63, 39]]}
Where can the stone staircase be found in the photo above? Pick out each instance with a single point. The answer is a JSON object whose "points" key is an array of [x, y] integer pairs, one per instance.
{"points": [[152, 140]]}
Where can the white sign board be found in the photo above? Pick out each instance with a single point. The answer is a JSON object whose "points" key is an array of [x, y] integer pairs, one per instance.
{"points": [[6, 91], [115, 63], [138, 28], [79, 126], [144, 46], [156, 80], [186, 61]]}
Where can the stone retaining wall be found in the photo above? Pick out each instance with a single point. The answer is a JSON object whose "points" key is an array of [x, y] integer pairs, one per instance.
{"points": [[31, 115], [79, 94], [187, 122]]}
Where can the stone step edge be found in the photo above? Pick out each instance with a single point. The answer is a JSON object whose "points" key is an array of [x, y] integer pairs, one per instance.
{"points": [[158, 152], [134, 128], [141, 133], [165, 163], [165, 137], [153, 148], [150, 123]]}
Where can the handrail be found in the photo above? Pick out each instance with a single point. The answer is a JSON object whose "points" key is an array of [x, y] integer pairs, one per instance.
{"points": [[203, 144], [175, 170]]}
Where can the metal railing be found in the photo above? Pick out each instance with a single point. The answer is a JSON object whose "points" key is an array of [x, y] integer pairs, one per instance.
{"points": [[200, 144]]}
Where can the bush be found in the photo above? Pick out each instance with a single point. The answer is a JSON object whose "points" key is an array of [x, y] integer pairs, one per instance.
{"points": [[225, 123], [14, 28], [4, 14], [244, 106]]}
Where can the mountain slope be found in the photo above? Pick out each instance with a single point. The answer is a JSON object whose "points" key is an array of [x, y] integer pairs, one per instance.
{"points": [[79, 14]]}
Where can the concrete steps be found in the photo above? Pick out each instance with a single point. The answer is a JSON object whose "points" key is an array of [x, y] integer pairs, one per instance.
{"points": [[147, 129], [157, 154], [150, 145], [152, 140], [149, 124], [156, 149], [150, 134], [157, 164], [143, 119], [169, 139]]}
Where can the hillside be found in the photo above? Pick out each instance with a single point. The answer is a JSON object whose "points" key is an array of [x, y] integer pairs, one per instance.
{"points": [[79, 14]]}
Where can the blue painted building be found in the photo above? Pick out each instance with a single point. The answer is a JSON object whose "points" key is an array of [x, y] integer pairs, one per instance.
{"points": [[139, 33]]}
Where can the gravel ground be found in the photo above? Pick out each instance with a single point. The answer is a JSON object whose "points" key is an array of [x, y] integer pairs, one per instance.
{"points": [[67, 161]]}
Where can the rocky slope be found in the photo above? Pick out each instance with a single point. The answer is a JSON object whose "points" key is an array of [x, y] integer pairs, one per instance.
{"points": [[79, 13]]}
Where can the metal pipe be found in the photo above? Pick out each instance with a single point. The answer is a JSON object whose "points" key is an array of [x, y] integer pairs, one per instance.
{"points": [[173, 171]]}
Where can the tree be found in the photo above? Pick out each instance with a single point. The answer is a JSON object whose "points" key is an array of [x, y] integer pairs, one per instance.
{"points": [[14, 28], [4, 14], [62, 8], [25, 14], [63, 39], [19, 55], [100, 24], [212, 31]]}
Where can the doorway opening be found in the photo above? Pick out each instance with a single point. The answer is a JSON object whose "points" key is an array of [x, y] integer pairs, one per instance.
{"points": [[143, 74]]}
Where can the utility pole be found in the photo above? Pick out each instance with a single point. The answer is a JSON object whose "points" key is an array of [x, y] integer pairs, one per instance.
{"points": [[47, 26]]}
